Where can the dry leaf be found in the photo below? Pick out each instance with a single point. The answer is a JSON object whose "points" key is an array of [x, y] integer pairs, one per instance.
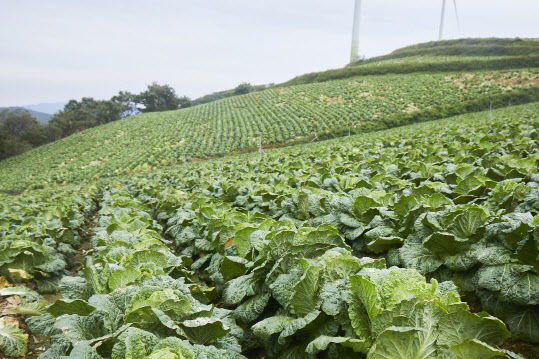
{"points": [[229, 242]]}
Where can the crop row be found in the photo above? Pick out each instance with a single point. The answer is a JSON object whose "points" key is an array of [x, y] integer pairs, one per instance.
{"points": [[296, 291], [357, 247], [39, 230], [456, 200], [234, 124]]}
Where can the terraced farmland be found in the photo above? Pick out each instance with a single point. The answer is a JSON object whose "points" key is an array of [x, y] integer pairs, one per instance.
{"points": [[297, 113]]}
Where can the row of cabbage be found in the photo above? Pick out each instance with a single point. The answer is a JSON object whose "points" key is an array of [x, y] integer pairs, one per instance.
{"points": [[456, 200], [131, 298], [235, 124], [267, 289], [39, 230], [286, 257], [300, 292]]}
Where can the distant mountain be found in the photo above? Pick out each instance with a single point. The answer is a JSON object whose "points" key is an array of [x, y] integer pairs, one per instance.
{"points": [[41, 117], [50, 108], [42, 111]]}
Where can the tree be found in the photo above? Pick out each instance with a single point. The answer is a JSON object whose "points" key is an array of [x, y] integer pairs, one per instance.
{"points": [[41, 135], [12, 125], [107, 111], [15, 122], [185, 102], [73, 119], [13, 146], [158, 98], [243, 88], [127, 102], [20, 132], [80, 115]]}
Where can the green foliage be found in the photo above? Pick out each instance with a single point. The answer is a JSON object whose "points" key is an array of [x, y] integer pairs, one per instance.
{"points": [[15, 128], [12, 339], [295, 114], [409, 204], [228, 93], [20, 132], [28, 309], [16, 122], [159, 98], [87, 113], [39, 232], [243, 88], [346, 248]]}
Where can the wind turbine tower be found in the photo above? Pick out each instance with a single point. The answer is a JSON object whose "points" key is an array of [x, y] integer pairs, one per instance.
{"points": [[442, 19], [441, 35], [354, 56]]}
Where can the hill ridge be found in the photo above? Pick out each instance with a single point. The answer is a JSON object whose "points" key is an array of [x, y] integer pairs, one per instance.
{"points": [[480, 54]]}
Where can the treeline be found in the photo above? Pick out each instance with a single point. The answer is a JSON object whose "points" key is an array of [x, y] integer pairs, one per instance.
{"points": [[20, 132]]}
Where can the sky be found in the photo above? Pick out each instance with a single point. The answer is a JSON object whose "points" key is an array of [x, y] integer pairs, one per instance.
{"points": [[56, 50]]}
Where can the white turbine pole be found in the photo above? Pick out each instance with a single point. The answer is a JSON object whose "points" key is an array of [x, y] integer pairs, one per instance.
{"points": [[457, 15], [441, 35], [354, 56]]}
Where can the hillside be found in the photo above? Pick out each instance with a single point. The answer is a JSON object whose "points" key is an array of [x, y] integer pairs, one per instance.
{"points": [[384, 245], [296, 113], [41, 117], [291, 114], [438, 56]]}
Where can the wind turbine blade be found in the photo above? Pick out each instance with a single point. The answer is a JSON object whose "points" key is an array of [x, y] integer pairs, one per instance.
{"points": [[457, 15], [354, 56], [441, 35]]}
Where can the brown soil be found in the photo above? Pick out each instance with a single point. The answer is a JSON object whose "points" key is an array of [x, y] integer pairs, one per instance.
{"points": [[512, 79], [36, 344], [76, 261], [332, 100], [527, 350]]}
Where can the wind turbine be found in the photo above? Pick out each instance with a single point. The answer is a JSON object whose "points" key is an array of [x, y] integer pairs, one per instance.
{"points": [[442, 19], [354, 56]]}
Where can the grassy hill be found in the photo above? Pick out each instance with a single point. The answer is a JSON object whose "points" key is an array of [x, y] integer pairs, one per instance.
{"points": [[284, 115], [438, 56], [298, 113]]}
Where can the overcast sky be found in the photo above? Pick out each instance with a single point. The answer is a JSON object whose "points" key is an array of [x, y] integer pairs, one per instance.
{"points": [[56, 50]]}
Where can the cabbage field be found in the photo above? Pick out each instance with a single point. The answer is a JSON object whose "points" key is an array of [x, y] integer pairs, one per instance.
{"points": [[415, 242], [273, 116]]}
